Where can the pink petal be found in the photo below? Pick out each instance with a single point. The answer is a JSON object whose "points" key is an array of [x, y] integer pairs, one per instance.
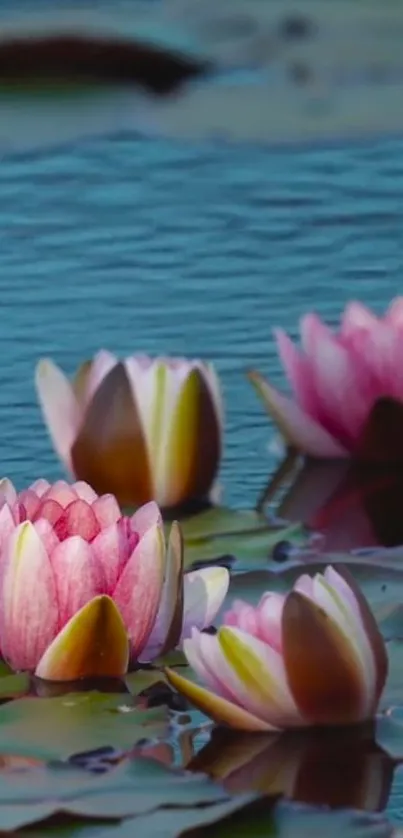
{"points": [[298, 371], [313, 331], [40, 487], [30, 501], [78, 576], [138, 591], [7, 523], [342, 400], [146, 516], [78, 519], [297, 428], [107, 510], [102, 363], [49, 509], [8, 493], [242, 615], [111, 548], [356, 316], [28, 603], [394, 314], [201, 651], [60, 407], [61, 492], [269, 614], [304, 585], [46, 533], [84, 491]]}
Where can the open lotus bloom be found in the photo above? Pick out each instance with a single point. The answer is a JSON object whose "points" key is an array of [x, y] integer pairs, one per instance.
{"points": [[312, 657], [144, 429], [84, 589], [347, 387]]}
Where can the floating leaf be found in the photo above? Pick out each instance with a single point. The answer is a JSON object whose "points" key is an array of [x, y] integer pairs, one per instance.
{"points": [[245, 535], [134, 787], [12, 686], [56, 728]]}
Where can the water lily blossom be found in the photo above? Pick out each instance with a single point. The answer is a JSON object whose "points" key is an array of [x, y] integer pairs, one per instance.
{"points": [[144, 429], [313, 657], [347, 386], [84, 590]]}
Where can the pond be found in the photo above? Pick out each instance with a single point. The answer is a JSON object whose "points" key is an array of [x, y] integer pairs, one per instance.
{"points": [[166, 246]]}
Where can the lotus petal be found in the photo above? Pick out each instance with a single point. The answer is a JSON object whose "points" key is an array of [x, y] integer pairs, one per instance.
{"points": [[109, 451], [78, 576], [297, 428], [28, 601], [60, 408], [138, 591], [147, 516], [167, 628], [204, 594], [219, 709], [93, 644], [321, 664], [193, 446], [261, 670]]}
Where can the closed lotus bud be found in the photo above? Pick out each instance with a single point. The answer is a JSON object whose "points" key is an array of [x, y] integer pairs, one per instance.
{"points": [[314, 657], [143, 429]]}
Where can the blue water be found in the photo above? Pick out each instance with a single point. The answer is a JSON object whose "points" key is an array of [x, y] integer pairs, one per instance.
{"points": [[162, 246]]}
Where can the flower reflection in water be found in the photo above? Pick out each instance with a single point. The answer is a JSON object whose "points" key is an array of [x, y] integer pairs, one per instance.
{"points": [[338, 768], [354, 507]]}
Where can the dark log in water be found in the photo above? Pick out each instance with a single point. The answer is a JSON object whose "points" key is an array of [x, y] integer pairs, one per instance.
{"points": [[95, 59]]}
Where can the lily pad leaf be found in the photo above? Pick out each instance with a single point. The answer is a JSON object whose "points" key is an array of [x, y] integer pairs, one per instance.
{"points": [[12, 686], [134, 787], [56, 728], [245, 535]]}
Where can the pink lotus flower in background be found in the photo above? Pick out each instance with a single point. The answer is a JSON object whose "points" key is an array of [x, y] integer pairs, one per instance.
{"points": [[144, 429], [347, 387], [84, 589], [312, 657]]}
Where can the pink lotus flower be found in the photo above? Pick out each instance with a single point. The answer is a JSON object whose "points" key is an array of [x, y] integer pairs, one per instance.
{"points": [[144, 429], [83, 589], [312, 657], [345, 385]]}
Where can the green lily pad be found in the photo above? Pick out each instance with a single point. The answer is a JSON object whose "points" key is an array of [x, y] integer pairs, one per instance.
{"points": [[56, 728], [245, 535], [135, 787], [12, 686]]}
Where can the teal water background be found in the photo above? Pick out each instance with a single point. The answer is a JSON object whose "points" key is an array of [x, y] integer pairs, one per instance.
{"points": [[198, 249]]}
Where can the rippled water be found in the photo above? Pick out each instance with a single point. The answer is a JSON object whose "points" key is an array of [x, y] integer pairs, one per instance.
{"points": [[162, 246]]}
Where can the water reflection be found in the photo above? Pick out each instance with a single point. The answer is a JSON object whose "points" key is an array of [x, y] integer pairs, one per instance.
{"points": [[338, 768], [353, 506]]}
